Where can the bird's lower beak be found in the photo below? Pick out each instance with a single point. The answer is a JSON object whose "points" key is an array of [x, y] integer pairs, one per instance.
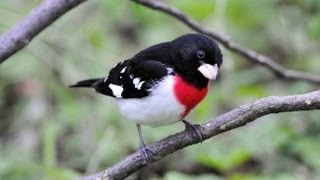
{"points": [[209, 71]]}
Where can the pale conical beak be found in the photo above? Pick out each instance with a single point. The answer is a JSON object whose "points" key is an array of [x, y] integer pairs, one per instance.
{"points": [[209, 71]]}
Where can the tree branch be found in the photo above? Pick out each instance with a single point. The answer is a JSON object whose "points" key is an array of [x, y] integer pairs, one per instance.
{"points": [[50, 10], [233, 119], [249, 54], [36, 21]]}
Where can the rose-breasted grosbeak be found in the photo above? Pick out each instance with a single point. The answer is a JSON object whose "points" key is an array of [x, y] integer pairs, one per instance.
{"points": [[161, 84]]}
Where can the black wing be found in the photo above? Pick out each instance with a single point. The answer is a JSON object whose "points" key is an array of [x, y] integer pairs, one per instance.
{"points": [[129, 79], [134, 78]]}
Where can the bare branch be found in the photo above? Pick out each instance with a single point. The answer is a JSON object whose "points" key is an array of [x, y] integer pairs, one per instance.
{"points": [[230, 120], [251, 55], [36, 21], [50, 10]]}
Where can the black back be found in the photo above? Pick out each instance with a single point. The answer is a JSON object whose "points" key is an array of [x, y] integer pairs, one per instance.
{"points": [[136, 77]]}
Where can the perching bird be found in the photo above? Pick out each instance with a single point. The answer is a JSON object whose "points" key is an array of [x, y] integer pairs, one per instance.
{"points": [[161, 84]]}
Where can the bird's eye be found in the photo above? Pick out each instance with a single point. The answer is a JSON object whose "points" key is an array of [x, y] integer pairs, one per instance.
{"points": [[201, 54]]}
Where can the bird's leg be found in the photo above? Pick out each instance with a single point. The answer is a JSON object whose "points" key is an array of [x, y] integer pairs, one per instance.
{"points": [[143, 149], [193, 128]]}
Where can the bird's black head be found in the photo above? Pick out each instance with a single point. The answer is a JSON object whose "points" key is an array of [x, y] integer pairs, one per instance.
{"points": [[196, 57]]}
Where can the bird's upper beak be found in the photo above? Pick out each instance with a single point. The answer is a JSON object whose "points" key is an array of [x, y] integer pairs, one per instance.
{"points": [[209, 71]]}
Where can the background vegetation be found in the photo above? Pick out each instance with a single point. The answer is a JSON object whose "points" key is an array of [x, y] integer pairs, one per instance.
{"points": [[48, 131]]}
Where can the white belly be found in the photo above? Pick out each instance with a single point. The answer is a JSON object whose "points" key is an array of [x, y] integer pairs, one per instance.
{"points": [[159, 108]]}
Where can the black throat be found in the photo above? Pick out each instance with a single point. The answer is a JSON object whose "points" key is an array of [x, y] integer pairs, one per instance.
{"points": [[195, 78]]}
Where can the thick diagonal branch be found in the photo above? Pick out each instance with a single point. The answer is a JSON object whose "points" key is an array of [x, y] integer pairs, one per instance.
{"points": [[230, 120], [249, 54], [37, 20], [50, 10]]}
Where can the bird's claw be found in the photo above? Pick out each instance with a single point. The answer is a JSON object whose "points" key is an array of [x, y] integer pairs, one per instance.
{"points": [[144, 152], [193, 128]]}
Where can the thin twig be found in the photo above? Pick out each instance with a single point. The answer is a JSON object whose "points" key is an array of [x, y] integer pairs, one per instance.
{"points": [[50, 10], [37, 20], [228, 121], [249, 54]]}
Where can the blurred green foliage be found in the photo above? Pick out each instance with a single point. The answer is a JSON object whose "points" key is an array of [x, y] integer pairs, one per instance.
{"points": [[49, 131]]}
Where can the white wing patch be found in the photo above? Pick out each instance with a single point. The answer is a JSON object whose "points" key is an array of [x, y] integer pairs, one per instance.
{"points": [[137, 83], [116, 90], [123, 70]]}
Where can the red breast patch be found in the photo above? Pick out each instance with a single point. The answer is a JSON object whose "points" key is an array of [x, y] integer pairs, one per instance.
{"points": [[188, 95]]}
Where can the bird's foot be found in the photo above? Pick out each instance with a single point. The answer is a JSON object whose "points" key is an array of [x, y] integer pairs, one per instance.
{"points": [[193, 128], [144, 152]]}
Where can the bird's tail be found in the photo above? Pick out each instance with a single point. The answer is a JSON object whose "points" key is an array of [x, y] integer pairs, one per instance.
{"points": [[86, 83], [101, 85]]}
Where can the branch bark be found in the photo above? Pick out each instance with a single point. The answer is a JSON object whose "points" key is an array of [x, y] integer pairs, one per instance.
{"points": [[249, 54], [238, 117], [50, 10], [37, 20]]}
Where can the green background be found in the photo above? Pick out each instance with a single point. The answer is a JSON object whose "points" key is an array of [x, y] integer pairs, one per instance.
{"points": [[48, 131]]}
